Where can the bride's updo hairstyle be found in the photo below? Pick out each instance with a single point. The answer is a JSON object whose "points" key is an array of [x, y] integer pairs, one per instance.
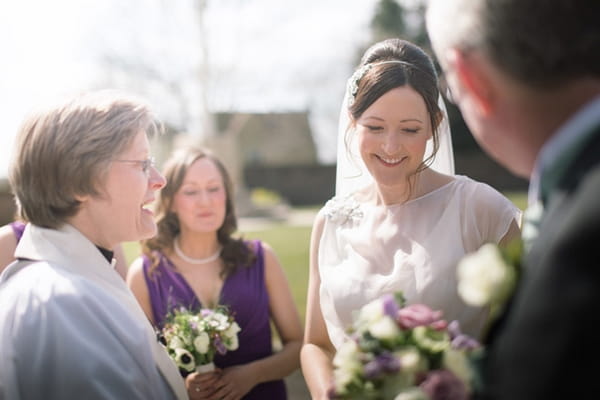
{"points": [[390, 64]]}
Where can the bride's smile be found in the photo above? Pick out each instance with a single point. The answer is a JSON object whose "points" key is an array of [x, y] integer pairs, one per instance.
{"points": [[391, 161]]}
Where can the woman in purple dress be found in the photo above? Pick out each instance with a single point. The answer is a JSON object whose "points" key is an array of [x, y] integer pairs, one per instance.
{"points": [[194, 261]]}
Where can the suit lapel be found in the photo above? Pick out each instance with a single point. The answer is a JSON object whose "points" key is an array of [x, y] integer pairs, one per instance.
{"points": [[573, 158]]}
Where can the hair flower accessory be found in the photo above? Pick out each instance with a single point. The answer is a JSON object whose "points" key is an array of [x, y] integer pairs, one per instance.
{"points": [[354, 81]]}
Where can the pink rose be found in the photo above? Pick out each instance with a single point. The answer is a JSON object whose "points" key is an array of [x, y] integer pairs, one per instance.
{"points": [[414, 315]]}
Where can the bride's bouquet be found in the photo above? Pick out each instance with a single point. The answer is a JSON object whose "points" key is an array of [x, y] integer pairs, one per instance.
{"points": [[403, 352], [193, 338]]}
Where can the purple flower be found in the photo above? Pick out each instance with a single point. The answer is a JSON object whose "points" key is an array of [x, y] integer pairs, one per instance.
{"points": [[415, 315], [221, 349], [459, 340], [384, 363], [372, 369], [442, 384], [454, 329], [390, 306], [205, 312]]}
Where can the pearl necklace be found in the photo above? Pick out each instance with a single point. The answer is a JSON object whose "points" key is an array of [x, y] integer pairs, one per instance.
{"points": [[196, 260]]}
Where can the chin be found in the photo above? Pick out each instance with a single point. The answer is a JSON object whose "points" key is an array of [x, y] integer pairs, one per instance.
{"points": [[147, 232], [515, 166], [519, 170]]}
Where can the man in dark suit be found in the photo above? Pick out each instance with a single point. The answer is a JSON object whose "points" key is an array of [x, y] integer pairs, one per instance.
{"points": [[526, 76]]}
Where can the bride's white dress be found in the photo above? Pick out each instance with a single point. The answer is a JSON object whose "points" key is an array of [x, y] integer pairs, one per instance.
{"points": [[367, 250]]}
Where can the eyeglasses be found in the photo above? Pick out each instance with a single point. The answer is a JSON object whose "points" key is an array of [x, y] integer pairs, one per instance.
{"points": [[146, 164]]}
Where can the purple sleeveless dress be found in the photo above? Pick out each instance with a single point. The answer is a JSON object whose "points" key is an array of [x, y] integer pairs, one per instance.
{"points": [[18, 227], [244, 292]]}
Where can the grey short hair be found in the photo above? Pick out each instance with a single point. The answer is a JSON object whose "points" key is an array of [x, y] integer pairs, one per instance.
{"points": [[454, 23], [64, 150], [536, 42]]}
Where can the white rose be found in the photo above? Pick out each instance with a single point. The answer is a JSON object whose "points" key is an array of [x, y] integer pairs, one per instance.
{"points": [[233, 329], [346, 354], [201, 343], [411, 360], [221, 322], [232, 343], [348, 365], [342, 378], [483, 276], [368, 314], [176, 342], [384, 328]]}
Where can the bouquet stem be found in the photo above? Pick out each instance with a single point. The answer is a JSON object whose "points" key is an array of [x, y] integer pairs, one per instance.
{"points": [[205, 368]]}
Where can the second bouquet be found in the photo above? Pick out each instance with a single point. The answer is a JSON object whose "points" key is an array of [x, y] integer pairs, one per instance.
{"points": [[193, 338]]}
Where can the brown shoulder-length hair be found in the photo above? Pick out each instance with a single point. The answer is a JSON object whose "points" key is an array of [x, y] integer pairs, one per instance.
{"points": [[235, 252]]}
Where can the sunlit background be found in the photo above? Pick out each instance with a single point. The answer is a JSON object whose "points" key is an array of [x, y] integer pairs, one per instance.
{"points": [[185, 56], [209, 67]]}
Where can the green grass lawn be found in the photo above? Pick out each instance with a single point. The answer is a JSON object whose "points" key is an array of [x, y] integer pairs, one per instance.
{"points": [[518, 198], [291, 244]]}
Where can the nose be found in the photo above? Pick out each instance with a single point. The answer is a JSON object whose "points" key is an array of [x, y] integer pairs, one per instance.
{"points": [[203, 197], [391, 143], [156, 180]]}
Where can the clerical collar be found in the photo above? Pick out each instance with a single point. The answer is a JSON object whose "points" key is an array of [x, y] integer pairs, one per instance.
{"points": [[106, 253]]}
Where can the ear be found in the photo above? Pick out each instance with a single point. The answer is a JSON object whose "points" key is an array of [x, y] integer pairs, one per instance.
{"points": [[473, 78]]}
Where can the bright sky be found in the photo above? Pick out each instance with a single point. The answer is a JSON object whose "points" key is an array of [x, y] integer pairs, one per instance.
{"points": [[265, 55]]}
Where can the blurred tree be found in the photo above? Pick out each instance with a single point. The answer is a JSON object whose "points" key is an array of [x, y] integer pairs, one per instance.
{"points": [[204, 73], [192, 84], [388, 20]]}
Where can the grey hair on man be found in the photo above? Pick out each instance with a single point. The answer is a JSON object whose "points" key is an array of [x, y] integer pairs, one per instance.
{"points": [[540, 42]]}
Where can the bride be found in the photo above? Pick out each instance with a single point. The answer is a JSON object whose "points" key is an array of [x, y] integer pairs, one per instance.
{"points": [[401, 219]]}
